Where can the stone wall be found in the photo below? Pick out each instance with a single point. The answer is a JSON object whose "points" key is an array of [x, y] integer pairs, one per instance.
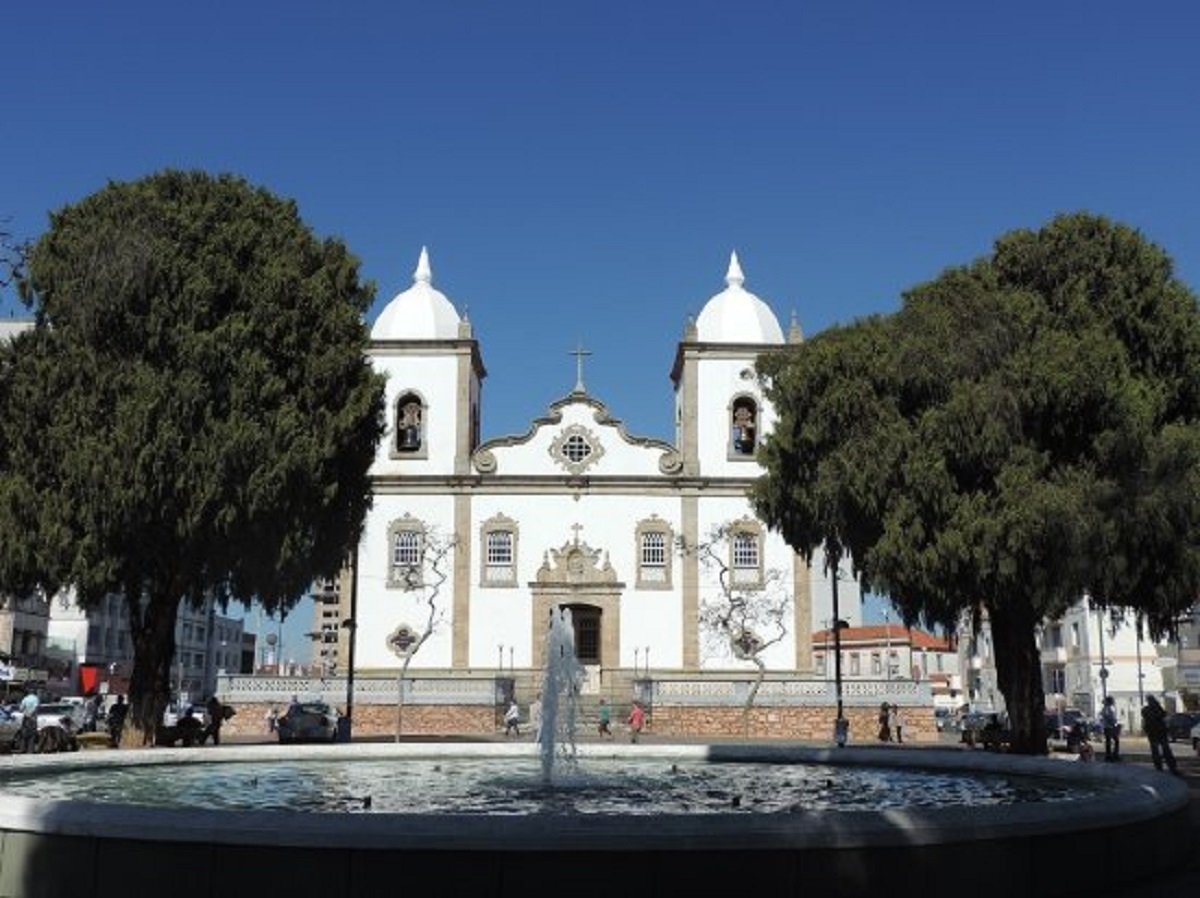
{"points": [[793, 722], [803, 724], [380, 720]]}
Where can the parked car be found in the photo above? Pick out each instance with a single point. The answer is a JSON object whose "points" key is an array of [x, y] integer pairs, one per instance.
{"points": [[308, 722], [10, 725], [1196, 738], [1059, 727], [988, 729], [1179, 726], [172, 715], [943, 719], [67, 715]]}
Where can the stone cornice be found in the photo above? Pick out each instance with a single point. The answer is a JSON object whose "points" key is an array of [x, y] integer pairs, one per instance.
{"points": [[485, 460], [460, 346], [719, 351], [442, 484]]}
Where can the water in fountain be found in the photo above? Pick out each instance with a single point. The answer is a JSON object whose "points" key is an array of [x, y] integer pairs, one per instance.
{"points": [[560, 691]]}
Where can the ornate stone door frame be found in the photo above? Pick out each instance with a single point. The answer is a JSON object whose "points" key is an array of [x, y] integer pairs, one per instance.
{"points": [[576, 575]]}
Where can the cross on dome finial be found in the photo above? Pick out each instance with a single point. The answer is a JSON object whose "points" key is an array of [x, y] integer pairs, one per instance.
{"points": [[424, 272], [734, 276]]}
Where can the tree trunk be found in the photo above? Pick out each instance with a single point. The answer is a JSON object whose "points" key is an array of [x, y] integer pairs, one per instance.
{"points": [[153, 632], [753, 694], [1018, 670]]}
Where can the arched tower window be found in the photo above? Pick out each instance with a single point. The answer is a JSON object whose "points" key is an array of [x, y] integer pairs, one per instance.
{"points": [[412, 426], [743, 427]]}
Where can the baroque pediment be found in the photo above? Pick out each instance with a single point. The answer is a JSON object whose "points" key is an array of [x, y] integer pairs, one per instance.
{"points": [[576, 563]]}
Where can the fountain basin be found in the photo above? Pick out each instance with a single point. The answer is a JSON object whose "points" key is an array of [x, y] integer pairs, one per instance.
{"points": [[1130, 823]]}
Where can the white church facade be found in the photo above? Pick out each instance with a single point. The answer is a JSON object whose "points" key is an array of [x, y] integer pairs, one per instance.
{"points": [[575, 512]]}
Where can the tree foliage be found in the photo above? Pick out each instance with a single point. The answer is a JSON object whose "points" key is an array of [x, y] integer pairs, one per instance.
{"points": [[1024, 430], [193, 413]]}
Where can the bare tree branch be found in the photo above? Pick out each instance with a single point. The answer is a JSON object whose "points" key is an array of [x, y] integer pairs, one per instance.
{"points": [[744, 619], [428, 574]]}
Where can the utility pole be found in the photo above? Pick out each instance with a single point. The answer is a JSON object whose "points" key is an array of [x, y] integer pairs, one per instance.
{"points": [[351, 625]]}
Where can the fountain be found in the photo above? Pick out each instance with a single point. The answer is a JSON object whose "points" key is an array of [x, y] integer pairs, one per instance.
{"points": [[560, 691], [71, 819], [502, 819]]}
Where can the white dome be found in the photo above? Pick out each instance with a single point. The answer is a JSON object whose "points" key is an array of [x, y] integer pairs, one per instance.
{"points": [[737, 316], [419, 313]]}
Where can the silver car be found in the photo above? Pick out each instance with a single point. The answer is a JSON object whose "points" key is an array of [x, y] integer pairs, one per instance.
{"points": [[308, 722], [67, 715]]}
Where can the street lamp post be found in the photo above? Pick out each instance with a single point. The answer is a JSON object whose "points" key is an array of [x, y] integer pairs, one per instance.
{"points": [[351, 625], [840, 725], [1141, 696], [1103, 664], [887, 651]]}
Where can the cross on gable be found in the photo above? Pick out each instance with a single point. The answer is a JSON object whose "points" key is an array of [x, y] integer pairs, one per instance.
{"points": [[579, 352]]}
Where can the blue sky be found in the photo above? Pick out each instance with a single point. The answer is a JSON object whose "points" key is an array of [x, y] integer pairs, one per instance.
{"points": [[581, 171]]}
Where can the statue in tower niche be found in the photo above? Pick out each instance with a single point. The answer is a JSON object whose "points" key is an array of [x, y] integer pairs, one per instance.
{"points": [[743, 429], [409, 426]]}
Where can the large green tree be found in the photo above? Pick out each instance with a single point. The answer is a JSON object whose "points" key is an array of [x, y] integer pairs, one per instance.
{"points": [[1024, 430], [193, 414]]}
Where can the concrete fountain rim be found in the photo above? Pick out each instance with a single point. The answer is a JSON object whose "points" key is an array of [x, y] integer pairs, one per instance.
{"points": [[1135, 794]]}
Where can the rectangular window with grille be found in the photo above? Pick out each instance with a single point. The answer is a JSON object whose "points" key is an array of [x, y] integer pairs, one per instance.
{"points": [[745, 559], [654, 557], [499, 566], [407, 558], [407, 550]]}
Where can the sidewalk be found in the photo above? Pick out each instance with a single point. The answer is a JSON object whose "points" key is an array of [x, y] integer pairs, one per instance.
{"points": [[1184, 880]]}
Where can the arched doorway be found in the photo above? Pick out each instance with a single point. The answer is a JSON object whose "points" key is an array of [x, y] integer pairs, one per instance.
{"points": [[586, 619], [581, 579]]}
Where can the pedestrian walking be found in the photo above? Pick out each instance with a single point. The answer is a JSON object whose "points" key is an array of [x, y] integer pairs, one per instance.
{"points": [[1154, 723], [1112, 729], [636, 721], [896, 719], [512, 719], [28, 734], [604, 720], [216, 717], [885, 730], [272, 720], [91, 713], [116, 720], [535, 717]]}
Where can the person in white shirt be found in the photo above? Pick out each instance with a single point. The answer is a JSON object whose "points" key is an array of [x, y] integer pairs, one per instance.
{"points": [[27, 738], [1112, 730]]}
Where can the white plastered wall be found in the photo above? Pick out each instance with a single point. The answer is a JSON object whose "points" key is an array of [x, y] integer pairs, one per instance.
{"points": [[502, 615], [381, 608], [719, 380], [435, 378]]}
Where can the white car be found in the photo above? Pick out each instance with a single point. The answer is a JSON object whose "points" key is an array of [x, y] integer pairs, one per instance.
{"points": [[67, 715]]}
